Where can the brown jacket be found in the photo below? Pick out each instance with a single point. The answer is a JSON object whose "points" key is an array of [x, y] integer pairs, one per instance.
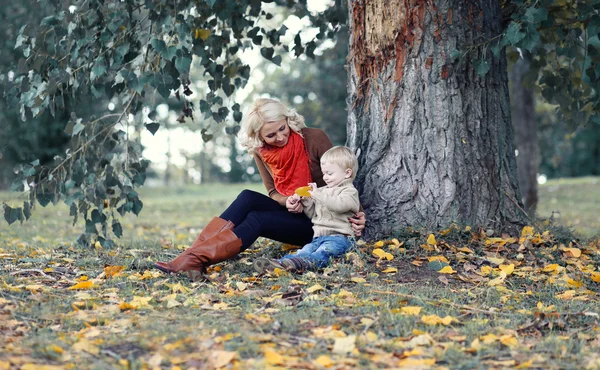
{"points": [[317, 143]]}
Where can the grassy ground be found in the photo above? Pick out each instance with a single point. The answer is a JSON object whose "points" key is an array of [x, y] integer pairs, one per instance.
{"points": [[574, 202], [453, 299]]}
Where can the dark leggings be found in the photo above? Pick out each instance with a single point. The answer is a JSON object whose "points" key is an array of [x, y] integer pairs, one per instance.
{"points": [[255, 214]]}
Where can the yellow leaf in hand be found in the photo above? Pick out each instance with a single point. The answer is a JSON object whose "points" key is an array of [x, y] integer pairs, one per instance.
{"points": [[303, 191], [82, 285], [447, 270]]}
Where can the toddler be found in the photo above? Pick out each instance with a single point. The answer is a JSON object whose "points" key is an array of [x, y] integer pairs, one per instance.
{"points": [[329, 208]]}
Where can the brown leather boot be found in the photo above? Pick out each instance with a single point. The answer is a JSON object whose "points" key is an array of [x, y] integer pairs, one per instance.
{"points": [[214, 227], [214, 250], [196, 259]]}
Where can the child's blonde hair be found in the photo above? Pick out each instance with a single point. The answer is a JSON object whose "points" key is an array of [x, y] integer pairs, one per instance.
{"points": [[267, 110], [341, 156]]}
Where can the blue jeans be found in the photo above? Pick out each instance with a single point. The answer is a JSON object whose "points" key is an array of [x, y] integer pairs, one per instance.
{"points": [[318, 252]]}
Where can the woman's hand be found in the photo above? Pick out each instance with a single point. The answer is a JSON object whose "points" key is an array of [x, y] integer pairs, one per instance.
{"points": [[357, 222], [293, 204]]}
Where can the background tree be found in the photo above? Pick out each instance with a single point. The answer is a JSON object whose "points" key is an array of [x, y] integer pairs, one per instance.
{"points": [[525, 125], [43, 137]]}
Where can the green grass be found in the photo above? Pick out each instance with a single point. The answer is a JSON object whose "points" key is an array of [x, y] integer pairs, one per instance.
{"points": [[241, 320], [574, 202]]}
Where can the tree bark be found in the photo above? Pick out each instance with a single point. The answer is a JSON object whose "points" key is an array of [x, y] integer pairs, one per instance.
{"points": [[434, 139], [524, 122]]}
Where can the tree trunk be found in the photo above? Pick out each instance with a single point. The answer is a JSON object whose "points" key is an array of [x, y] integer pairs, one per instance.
{"points": [[524, 122], [434, 139]]}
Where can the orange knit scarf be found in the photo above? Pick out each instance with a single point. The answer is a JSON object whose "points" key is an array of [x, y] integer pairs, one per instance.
{"points": [[289, 164]]}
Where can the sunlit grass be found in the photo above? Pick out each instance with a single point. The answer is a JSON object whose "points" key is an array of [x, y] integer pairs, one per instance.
{"points": [[574, 202]]}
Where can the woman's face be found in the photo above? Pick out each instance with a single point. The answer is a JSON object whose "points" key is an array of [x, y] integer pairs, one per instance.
{"points": [[275, 133]]}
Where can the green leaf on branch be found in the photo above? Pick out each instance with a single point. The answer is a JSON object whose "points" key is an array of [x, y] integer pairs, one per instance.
{"points": [[44, 198], [267, 53], [482, 66], [117, 229], [183, 64], [12, 214], [514, 34], [99, 68], [152, 127], [27, 210], [77, 128]]}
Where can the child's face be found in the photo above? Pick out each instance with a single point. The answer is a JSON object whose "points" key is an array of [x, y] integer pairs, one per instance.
{"points": [[334, 174]]}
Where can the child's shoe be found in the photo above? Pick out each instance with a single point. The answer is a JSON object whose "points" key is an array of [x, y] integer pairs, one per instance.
{"points": [[295, 264], [264, 265]]}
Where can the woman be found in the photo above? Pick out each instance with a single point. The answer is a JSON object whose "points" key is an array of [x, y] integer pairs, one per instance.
{"points": [[287, 154]]}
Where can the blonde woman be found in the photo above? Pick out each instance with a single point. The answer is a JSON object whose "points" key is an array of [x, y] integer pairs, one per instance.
{"points": [[287, 154]]}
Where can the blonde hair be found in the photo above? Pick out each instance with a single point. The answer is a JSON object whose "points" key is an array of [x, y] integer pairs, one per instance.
{"points": [[341, 156], [267, 110]]}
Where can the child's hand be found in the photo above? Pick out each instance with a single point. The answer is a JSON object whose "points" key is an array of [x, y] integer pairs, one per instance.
{"points": [[293, 204], [313, 187]]}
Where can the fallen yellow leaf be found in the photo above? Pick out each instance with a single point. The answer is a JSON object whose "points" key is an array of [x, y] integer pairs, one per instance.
{"points": [[390, 270], [572, 252], [358, 280], [431, 240], [272, 357], [495, 261], [508, 269], [379, 244], [314, 288], [438, 258], [82, 285], [527, 230], [344, 345], [220, 359], [509, 341], [324, 361], [435, 320], [383, 254], [416, 363], [112, 271], [124, 306], [411, 310], [447, 270]]}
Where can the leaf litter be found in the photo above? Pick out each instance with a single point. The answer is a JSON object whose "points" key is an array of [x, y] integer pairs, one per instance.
{"points": [[432, 300]]}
